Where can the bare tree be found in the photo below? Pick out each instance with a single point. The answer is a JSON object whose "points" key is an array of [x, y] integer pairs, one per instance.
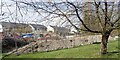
{"points": [[107, 14]]}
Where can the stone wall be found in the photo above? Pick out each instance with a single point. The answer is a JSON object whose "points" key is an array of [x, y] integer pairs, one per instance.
{"points": [[40, 46]]}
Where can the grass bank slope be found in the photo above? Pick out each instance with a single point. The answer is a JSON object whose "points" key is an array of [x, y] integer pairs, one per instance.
{"points": [[87, 51]]}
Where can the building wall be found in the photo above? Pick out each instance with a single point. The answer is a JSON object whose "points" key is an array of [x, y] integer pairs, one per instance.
{"points": [[23, 29], [50, 29], [18, 28], [33, 29], [1, 28], [61, 31]]}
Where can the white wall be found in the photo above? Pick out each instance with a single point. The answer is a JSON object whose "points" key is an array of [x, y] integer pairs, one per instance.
{"points": [[1, 28], [73, 29], [49, 28], [33, 29]]}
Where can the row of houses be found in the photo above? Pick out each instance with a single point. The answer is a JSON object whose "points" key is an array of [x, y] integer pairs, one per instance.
{"points": [[9, 27]]}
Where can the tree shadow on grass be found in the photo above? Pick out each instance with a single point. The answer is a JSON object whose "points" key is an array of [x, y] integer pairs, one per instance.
{"points": [[112, 53], [96, 42]]}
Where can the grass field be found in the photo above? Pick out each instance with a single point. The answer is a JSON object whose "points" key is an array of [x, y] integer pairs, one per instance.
{"points": [[87, 51]]}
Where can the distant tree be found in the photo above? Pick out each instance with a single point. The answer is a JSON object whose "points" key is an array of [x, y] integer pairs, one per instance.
{"points": [[106, 16]]}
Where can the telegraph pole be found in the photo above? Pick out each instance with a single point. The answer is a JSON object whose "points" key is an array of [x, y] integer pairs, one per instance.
{"points": [[14, 28]]}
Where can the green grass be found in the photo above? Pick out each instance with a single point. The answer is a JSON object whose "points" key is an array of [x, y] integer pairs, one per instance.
{"points": [[87, 51]]}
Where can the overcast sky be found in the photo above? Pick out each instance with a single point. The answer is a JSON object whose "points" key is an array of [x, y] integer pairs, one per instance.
{"points": [[25, 15]]}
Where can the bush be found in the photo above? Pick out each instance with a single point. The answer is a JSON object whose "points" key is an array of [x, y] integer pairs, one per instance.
{"points": [[8, 44]]}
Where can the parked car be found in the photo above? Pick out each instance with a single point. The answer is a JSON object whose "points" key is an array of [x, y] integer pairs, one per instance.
{"points": [[27, 37]]}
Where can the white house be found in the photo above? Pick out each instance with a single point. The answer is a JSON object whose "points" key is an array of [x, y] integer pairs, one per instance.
{"points": [[62, 31], [50, 29], [1, 28], [73, 30], [1, 31], [36, 28]]}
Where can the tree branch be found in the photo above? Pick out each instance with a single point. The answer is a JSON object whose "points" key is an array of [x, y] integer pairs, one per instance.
{"points": [[68, 19], [82, 20], [97, 12]]}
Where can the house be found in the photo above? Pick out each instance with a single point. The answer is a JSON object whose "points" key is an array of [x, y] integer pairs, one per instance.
{"points": [[1, 28], [73, 31], [7, 27], [10, 27], [36, 28], [1, 32], [62, 31]]}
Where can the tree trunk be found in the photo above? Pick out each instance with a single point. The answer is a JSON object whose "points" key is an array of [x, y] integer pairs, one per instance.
{"points": [[104, 41]]}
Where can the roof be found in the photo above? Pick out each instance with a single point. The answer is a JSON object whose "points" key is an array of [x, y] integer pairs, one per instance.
{"points": [[37, 26], [60, 28], [12, 24]]}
